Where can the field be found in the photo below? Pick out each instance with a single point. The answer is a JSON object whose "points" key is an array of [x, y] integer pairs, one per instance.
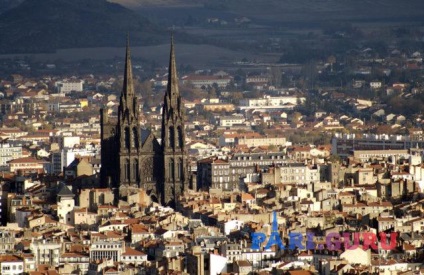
{"points": [[220, 45], [282, 19], [299, 10], [200, 56]]}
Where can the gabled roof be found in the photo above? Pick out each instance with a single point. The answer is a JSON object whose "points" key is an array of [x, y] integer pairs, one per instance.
{"points": [[132, 252], [65, 192]]}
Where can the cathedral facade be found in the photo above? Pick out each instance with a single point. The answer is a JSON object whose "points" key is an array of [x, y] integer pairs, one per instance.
{"points": [[132, 157]]}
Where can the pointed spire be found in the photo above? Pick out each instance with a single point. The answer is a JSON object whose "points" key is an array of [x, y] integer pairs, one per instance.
{"points": [[172, 89], [128, 89]]}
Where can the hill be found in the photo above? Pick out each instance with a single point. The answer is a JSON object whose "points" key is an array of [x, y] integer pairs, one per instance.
{"points": [[8, 4], [294, 11], [44, 26]]}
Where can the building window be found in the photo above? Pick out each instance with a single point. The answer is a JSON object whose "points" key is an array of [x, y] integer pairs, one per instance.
{"points": [[180, 137], [171, 170], [127, 169], [135, 137], [135, 170], [127, 138], [171, 137]]}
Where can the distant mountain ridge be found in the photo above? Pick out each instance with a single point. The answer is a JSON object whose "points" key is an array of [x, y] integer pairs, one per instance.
{"points": [[46, 25], [9, 4]]}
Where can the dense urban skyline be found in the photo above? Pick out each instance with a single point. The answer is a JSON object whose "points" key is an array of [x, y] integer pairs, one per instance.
{"points": [[281, 139]]}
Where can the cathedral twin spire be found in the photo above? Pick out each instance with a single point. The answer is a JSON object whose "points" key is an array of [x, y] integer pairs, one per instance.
{"points": [[160, 168], [172, 96]]}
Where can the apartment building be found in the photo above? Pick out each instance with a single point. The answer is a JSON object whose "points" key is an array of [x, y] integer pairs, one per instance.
{"points": [[8, 152], [366, 155], [46, 252], [271, 103], [66, 86], [7, 241], [345, 144], [213, 173], [261, 141], [229, 121], [11, 265], [226, 174], [101, 250], [204, 81], [27, 165]]}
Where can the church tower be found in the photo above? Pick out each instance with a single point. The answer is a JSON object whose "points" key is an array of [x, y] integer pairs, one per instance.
{"points": [[128, 130], [175, 165]]}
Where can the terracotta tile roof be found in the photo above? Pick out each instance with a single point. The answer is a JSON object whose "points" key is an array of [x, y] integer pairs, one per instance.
{"points": [[9, 258], [27, 160], [73, 255], [132, 252], [139, 229], [246, 196]]}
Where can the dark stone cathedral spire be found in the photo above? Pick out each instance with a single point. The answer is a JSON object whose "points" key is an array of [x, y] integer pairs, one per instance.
{"points": [[128, 129], [172, 91], [173, 136], [128, 76], [128, 100], [131, 155]]}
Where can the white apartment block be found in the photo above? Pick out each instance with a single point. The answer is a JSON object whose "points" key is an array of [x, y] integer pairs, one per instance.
{"points": [[344, 144], [107, 250], [62, 158], [46, 252], [116, 251], [58, 107], [270, 103], [65, 208], [366, 155], [64, 87], [202, 81], [229, 121], [376, 84], [11, 265], [260, 141], [79, 129], [69, 142], [297, 173], [8, 152]]}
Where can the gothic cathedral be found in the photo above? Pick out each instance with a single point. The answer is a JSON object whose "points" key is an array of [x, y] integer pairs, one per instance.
{"points": [[132, 157]]}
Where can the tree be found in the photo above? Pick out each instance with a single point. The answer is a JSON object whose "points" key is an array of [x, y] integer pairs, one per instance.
{"points": [[212, 93], [272, 148], [296, 116], [331, 59], [276, 76], [235, 97], [309, 72], [190, 93], [144, 88]]}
